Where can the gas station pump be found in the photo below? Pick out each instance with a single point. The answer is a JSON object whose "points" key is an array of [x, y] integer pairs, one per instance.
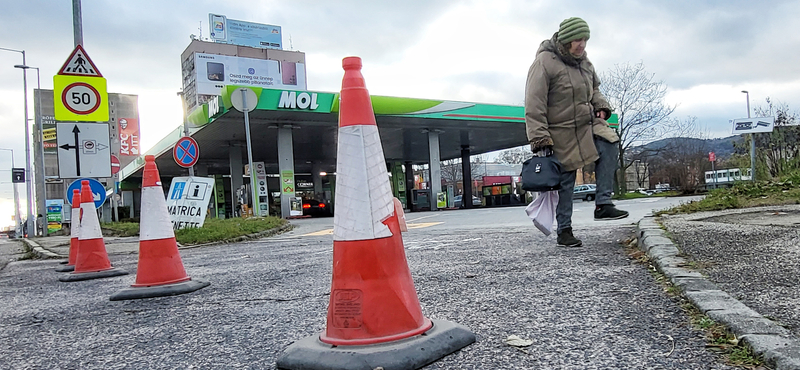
{"points": [[398, 181], [263, 194]]}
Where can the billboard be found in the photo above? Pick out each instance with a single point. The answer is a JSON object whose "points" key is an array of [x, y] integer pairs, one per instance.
{"points": [[215, 71], [256, 35]]}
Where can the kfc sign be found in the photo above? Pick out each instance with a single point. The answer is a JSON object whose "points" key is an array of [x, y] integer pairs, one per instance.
{"points": [[129, 137]]}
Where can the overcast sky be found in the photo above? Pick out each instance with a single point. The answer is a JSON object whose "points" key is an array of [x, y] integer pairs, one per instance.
{"points": [[706, 52]]}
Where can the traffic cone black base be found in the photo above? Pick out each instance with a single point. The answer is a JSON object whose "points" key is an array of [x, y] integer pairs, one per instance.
{"points": [[66, 268], [64, 262], [92, 275], [414, 352], [159, 290]]}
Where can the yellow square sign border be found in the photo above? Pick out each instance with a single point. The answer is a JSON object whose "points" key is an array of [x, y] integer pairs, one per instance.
{"points": [[60, 82]]}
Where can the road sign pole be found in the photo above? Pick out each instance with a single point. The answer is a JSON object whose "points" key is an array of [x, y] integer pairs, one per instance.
{"points": [[186, 127], [77, 23], [114, 198], [752, 143], [253, 190]]}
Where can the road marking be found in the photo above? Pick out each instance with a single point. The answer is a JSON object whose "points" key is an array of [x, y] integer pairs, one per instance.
{"points": [[652, 200], [422, 225], [410, 226], [420, 218], [321, 232]]}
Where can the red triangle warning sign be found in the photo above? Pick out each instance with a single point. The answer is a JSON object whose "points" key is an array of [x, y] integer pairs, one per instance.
{"points": [[79, 64]]}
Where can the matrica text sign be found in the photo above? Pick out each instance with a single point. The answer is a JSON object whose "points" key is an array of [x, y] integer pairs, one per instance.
{"points": [[187, 201]]}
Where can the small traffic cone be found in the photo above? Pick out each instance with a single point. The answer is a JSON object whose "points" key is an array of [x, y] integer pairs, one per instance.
{"points": [[160, 272], [73, 233], [91, 261], [374, 316]]}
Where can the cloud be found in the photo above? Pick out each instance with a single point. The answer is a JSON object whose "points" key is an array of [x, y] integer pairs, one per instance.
{"points": [[479, 50]]}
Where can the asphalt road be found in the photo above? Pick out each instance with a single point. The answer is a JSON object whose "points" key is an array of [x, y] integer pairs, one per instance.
{"points": [[487, 269]]}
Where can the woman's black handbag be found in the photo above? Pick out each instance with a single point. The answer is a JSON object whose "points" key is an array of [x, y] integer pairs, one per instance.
{"points": [[541, 174]]}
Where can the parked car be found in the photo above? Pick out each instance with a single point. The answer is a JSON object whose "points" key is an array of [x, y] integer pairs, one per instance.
{"points": [[586, 192], [644, 191], [313, 207], [476, 202]]}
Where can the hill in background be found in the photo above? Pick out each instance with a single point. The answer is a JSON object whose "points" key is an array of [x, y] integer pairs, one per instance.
{"points": [[722, 147]]}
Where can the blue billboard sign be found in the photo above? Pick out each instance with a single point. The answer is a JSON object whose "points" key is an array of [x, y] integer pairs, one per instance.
{"points": [[256, 35]]}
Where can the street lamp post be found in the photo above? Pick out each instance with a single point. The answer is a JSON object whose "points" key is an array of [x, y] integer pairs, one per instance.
{"points": [[16, 198], [752, 143], [38, 147], [30, 221]]}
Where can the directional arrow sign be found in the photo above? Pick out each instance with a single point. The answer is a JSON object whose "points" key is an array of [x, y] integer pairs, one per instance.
{"points": [[83, 150], [98, 191]]}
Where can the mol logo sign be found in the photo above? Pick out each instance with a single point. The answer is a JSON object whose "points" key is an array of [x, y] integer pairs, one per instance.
{"points": [[295, 100]]}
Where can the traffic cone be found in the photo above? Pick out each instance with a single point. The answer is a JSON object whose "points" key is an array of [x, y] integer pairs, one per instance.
{"points": [[91, 261], [160, 272], [374, 316], [73, 233]]}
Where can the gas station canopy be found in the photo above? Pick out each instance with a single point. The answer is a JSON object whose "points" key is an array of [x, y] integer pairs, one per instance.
{"points": [[404, 124]]}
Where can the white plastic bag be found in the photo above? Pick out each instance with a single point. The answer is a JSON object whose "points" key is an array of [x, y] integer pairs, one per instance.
{"points": [[543, 211]]}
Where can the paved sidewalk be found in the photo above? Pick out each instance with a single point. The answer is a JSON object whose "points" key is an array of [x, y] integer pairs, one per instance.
{"points": [[10, 250]]}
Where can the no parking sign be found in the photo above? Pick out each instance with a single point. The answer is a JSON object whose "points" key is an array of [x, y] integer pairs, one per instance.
{"points": [[186, 152]]}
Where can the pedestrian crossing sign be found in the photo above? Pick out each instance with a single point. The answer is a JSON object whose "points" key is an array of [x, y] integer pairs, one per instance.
{"points": [[79, 64]]}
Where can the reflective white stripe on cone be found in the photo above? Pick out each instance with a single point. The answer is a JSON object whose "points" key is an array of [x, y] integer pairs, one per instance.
{"points": [[160, 271], [92, 259]]}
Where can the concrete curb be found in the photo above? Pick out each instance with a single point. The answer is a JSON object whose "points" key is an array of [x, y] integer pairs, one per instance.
{"points": [[39, 250], [779, 349], [46, 253]]}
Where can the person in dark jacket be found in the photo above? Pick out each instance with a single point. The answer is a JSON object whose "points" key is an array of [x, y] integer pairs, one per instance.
{"points": [[565, 114]]}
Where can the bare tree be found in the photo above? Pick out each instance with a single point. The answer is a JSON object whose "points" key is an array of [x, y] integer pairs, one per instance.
{"points": [[638, 100], [515, 155], [682, 161], [451, 171], [781, 147]]}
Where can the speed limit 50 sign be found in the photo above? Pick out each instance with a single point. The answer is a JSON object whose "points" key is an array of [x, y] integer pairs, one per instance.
{"points": [[80, 98]]}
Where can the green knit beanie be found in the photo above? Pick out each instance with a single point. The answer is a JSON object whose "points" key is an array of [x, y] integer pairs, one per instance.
{"points": [[572, 29]]}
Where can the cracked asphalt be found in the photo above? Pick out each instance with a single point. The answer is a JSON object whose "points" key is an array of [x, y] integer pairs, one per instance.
{"points": [[585, 308]]}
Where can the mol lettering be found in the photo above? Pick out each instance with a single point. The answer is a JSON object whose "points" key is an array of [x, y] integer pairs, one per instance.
{"points": [[293, 100], [213, 107]]}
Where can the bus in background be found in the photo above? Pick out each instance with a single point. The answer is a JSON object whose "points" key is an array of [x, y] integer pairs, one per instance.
{"points": [[726, 177]]}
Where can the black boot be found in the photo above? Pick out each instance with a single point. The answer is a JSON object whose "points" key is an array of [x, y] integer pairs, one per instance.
{"points": [[565, 239], [606, 212]]}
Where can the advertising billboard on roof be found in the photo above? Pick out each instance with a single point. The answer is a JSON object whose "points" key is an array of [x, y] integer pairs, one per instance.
{"points": [[256, 35], [214, 72]]}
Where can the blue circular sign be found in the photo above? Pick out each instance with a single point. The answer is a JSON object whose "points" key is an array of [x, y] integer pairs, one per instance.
{"points": [[98, 191], [186, 152], [251, 71]]}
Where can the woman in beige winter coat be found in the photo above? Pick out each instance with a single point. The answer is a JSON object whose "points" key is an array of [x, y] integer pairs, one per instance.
{"points": [[565, 114]]}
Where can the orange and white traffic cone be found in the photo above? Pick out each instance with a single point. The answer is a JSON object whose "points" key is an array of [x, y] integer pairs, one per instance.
{"points": [[73, 233], [160, 272], [91, 261], [374, 316]]}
